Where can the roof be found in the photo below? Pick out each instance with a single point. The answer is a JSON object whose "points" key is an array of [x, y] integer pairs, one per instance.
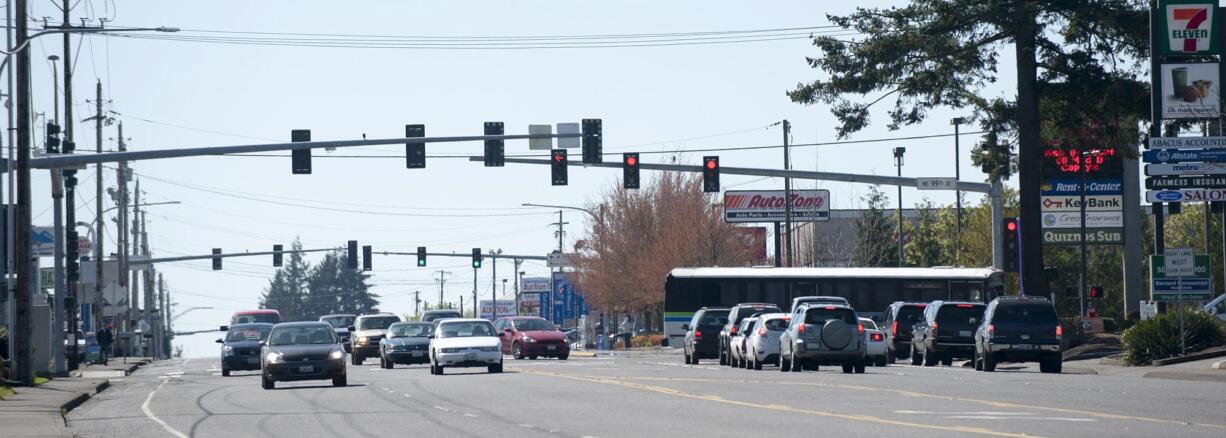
{"points": [[251, 324], [258, 312], [337, 314], [772, 272], [304, 323], [412, 323], [450, 320]]}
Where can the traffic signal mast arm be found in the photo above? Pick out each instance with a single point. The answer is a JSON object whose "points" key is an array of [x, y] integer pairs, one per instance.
{"points": [[465, 255], [136, 262], [966, 186], [55, 161]]}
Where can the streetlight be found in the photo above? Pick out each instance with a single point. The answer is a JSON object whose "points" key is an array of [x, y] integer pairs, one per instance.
{"points": [[589, 212], [898, 153], [189, 309]]}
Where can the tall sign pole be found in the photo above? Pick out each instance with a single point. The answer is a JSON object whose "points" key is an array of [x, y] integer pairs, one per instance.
{"points": [[1029, 152]]}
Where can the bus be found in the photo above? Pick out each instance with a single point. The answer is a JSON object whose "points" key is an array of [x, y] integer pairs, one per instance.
{"points": [[869, 290]]}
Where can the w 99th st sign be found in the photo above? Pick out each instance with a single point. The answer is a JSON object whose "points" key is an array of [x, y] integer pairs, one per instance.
{"points": [[770, 205]]}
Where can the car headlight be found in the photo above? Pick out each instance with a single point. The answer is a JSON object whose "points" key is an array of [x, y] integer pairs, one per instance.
{"points": [[228, 349], [451, 350], [529, 339], [272, 357], [362, 340], [489, 348], [337, 354]]}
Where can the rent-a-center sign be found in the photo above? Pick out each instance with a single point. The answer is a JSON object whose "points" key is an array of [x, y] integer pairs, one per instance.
{"points": [[1189, 27], [770, 205]]}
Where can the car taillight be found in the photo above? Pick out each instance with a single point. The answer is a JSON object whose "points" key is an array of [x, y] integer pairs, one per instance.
{"points": [[934, 327], [965, 306], [877, 337], [991, 330], [733, 330], [829, 307], [762, 331], [697, 334], [860, 329], [894, 329], [1059, 331], [801, 329]]}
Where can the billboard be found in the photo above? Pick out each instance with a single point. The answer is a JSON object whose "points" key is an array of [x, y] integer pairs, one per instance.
{"points": [[497, 309], [1191, 91], [533, 284], [1064, 168], [530, 303], [770, 205], [1188, 27]]}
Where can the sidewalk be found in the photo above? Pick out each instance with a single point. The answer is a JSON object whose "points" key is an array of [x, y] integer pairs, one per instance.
{"points": [[39, 411], [1199, 370]]}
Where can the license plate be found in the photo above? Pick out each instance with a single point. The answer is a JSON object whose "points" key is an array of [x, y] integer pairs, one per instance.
{"points": [[964, 333], [470, 356], [306, 369], [417, 354], [253, 360], [1023, 347], [551, 347]]}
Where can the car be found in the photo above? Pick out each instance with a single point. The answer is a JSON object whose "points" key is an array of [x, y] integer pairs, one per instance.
{"points": [[240, 350], [736, 347], [366, 332], [735, 315], [406, 343], [464, 342], [799, 301], [302, 351], [947, 332], [340, 323], [270, 316], [1016, 329], [436, 314], [701, 339], [876, 354], [531, 337], [900, 317], [1217, 307], [762, 342], [823, 335]]}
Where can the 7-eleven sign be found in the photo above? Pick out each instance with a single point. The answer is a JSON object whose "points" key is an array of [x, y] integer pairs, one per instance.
{"points": [[1189, 27]]}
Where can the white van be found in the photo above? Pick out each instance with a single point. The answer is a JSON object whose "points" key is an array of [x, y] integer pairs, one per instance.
{"points": [[1217, 307]]}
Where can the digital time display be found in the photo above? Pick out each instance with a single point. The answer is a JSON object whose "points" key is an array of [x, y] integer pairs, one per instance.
{"points": [[1059, 161]]}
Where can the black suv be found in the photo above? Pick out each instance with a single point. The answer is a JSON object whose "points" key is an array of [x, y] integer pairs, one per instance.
{"points": [[900, 317], [738, 313], [1019, 330], [701, 339], [946, 332]]}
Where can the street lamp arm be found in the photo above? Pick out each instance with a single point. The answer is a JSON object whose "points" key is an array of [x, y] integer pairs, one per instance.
{"points": [[54, 30], [589, 212]]}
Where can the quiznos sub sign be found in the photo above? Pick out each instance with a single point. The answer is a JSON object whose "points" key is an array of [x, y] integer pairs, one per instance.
{"points": [[1189, 27]]}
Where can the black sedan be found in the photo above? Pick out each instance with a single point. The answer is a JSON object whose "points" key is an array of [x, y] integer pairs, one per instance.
{"points": [[302, 351], [240, 350], [406, 343]]}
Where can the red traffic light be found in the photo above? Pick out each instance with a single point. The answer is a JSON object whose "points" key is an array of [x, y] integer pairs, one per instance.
{"points": [[632, 161], [1011, 226], [558, 157], [711, 164]]}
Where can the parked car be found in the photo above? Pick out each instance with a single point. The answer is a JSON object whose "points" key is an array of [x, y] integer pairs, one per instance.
{"points": [[701, 334], [737, 343], [735, 315], [437, 314], [464, 343], [876, 343], [240, 350], [1019, 330], [367, 331], [823, 335], [1217, 307], [762, 345], [799, 301], [900, 317], [531, 337], [340, 324], [270, 316], [302, 351], [406, 343], [946, 333]]}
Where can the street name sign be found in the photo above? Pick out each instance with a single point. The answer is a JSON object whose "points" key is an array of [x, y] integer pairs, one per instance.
{"points": [[939, 183]]}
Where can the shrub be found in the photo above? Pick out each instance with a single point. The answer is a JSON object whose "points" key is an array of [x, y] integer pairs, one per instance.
{"points": [[651, 340], [1158, 337]]}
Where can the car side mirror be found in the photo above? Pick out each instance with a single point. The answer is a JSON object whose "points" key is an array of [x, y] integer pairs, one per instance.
{"points": [[351, 329], [224, 328], [263, 343], [219, 341], [506, 330], [431, 336]]}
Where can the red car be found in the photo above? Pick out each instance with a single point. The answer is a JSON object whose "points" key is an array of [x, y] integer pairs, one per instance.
{"points": [[531, 337]]}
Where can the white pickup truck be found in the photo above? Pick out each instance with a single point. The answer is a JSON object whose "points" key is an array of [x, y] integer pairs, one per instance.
{"points": [[1217, 307]]}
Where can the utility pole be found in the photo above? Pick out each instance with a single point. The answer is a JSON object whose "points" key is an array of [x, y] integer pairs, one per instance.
{"points": [[70, 190], [100, 220], [135, 279], [552, 287], [23, 266], [518, 274], [442, 279], [493, 284], [57, 200], [898, 161], [148, 277], [122, 235], [787, 189], [417, 304], [1029, 150]]}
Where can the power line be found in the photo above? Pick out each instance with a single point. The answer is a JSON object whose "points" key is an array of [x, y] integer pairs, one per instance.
{"points": [[519, 37]]}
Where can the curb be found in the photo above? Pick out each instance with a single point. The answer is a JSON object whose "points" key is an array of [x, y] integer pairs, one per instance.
{"points": [[1220, 365], [81, 398], [1189, 358], [1195, 377], [582, 354]]}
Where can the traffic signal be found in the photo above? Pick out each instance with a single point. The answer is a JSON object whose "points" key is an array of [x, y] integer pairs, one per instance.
{"points": [[710, 174], [1009, 231], [593, 141], [630, 170], [476, 258], [415, 153], [421, 256], [53, 138], [73, 267], [301, 158], [216, 259], [70, 177], [493, 148], [352, 255], [69, 147], [276, 254], [1096, 292], [366, 262], [558, 166]]}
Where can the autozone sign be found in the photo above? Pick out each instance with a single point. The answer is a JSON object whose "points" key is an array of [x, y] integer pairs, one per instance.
{"points": [[770, 205], [1189, 27]]}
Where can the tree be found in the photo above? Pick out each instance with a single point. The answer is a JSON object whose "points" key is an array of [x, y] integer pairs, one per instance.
{"points": [[640, 235], [929, 244], [335, 288], [287, 290], [875, 234]]}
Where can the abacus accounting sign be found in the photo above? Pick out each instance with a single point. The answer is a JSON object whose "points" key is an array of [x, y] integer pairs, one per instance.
{"points": [[1189, 27]]}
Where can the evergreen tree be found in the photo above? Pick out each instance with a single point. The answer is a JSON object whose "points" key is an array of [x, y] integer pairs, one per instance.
{"points": [[287, 290], [928, 245], [875, 244], [335, 288]]}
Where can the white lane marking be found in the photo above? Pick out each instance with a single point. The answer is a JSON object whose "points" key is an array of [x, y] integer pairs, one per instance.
{"points": [[213, 369], [961, 413], [144, 407], [525, 426], [470, 415], [408, 396], [991, 417]]}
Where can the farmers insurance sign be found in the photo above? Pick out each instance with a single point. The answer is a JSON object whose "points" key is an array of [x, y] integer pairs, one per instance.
{"points": [[769, 205], [1189, 27]]}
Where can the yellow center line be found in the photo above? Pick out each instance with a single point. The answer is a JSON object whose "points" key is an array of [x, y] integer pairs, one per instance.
{"points": [[777, 407], [944, 397]]}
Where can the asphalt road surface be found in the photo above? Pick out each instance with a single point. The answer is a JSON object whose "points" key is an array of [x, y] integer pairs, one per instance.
{"points": [[649, 394]]}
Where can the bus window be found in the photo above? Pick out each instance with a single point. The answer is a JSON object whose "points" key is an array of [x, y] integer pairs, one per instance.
{"points": [[804, 289], [728, 292], [773, 293]]}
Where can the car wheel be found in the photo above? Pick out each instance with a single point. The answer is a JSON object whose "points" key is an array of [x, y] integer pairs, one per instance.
{"points": [[929, 358], [225, 372], [342, 380], [532, 357], [723, 356], [784, 364], [891, 356], [882, 361], [757, 364], [267, 383], [564, 356], [859, 367], [797, 366], [517, 351], [989, 362], [495, 369], [947, 360], [357, 358], [686, 353], [915, 359], [848, 368]]}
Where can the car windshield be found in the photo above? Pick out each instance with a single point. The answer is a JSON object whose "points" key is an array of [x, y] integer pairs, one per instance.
{"points": [[466, 329], [747, 324], [776, 324], [410, 330], [378, 322], [909, 315], [961, 314], [747, 312], [1024, 314], [819, 315], [302, 335], [868, 324], [440, 314], [339, 321], [713, 318], [248, 334], [525, 325], [263, 317]]}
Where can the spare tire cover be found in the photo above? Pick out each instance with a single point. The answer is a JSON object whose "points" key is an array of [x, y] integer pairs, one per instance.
{"points": [[836, 334]]}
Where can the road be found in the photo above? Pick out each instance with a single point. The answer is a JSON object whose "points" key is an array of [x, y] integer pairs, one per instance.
{"points": [[649, 394]]}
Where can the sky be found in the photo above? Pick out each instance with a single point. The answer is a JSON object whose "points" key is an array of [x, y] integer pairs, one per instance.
{"points": [[178, 94]]}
